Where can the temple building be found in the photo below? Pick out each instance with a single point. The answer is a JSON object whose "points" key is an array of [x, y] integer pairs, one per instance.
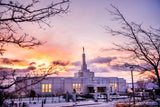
{"points": [[83, 81]]}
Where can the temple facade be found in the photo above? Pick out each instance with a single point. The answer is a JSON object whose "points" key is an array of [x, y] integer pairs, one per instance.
{"points": [[84, 81]]}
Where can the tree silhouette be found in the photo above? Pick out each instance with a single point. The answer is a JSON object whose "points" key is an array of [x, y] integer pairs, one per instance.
{"points": [[15, 12], [23, 83], [144, 45], [141, 84]]}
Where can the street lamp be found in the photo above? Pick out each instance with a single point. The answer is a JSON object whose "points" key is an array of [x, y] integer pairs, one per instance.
{"points": [[131, 67], [153, 93]]}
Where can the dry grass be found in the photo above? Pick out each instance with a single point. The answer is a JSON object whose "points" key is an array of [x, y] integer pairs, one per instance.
{"points": [[120, 104]]}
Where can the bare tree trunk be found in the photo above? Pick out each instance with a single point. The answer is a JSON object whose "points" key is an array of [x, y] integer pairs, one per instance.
{"points": [[157, 74], [143, 44], [2, 98]]}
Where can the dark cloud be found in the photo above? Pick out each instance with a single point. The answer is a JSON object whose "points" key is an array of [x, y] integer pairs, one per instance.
{"points": [[18, 71], [8, 61], [118, 67], [101, 60], [11, 70], [94, 68], [42, 65], [125, 67], [61, 63], [31, 68], [2, 68], [145, 67], [97, 60], [102, 69], [72, 69], [32, 63], [106, 49], [77, 63], [5, 69]]}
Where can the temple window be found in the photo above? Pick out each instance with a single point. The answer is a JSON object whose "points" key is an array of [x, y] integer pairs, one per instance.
{"points": [[50, 87], [46, 87], [114, 85], [43, 87], [73, 86], [77, 87]]}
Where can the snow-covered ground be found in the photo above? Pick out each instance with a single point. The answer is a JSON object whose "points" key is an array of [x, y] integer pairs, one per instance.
{"points": [[89, 103], [60, 102]]}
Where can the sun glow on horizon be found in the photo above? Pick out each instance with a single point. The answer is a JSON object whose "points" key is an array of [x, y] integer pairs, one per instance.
{"points": [[14, 67], [64, 41]]}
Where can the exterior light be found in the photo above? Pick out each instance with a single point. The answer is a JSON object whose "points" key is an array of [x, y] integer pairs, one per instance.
{"points": [[131, 68]]}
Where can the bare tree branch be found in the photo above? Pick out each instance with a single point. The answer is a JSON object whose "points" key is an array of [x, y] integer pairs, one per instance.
{"points": [[143, 44], [14, 12]]}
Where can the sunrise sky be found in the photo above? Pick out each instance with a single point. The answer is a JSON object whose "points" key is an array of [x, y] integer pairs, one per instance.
{"points": [[83, 25]]}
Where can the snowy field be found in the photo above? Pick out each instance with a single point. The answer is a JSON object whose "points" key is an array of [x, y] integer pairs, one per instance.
{"points": [[60, 102], [80, 104]]}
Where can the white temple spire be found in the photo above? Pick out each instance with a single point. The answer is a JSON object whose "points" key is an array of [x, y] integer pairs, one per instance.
{"points": [[83, 49], [84, 65]]}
